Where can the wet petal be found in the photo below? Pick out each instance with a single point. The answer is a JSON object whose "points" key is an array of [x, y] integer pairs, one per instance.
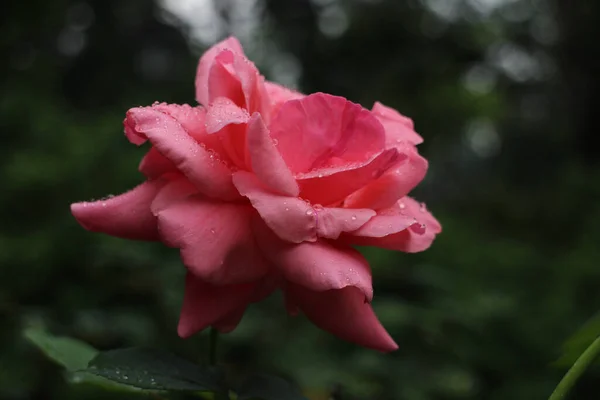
{"points": [[290, 218], [319, 266], [395, 183], [205, 305], [332, 185], [343, 313], [266, 161], [398, 128], [206, 63], [201, 166], [216, 240], [325, 128], [126, 216]]}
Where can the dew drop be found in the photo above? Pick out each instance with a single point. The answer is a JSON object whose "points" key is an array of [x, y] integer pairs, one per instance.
{"points": [[320, 175], [402, 206], [422, 207], [309, 212], [212, 231], [287, 209], [275, 142], [125, 377], [353, 218], [103, 204]]}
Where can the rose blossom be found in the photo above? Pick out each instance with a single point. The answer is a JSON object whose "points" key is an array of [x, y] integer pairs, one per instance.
{"points": [[263, 188]]}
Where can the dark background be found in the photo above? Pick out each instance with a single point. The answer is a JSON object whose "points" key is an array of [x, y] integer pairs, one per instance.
{"points": [[505, 93]]}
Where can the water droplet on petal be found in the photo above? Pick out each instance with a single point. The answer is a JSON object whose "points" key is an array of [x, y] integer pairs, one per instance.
{"points": [[353, 218], [275, 142], [212, 231], [320, 175], [422, 207], [309, 212], [402, 206], [287, 209]]}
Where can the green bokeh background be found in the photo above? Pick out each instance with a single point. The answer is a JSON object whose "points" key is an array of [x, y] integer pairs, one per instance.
{"points": [[504, 92]]}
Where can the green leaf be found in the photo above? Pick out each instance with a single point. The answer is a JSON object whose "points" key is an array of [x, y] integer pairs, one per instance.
{"points": [[153, 369], [266, 387], [580, 341], [72, 354]]}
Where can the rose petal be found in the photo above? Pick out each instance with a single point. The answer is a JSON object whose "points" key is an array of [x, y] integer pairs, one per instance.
{"points": [[154, 164], [206, 63], [235, 77], [386, 222], [331, 222], [417, 237], [266, 161], [253, 86], [215, 239], [343, 313], [398, 128], [193, 121], [126, 216], [319, 266], [315, 129], [290, 218], [223, 112], [395, 183], [331, 186], [174, 191], [168, 136], [205, 305]]}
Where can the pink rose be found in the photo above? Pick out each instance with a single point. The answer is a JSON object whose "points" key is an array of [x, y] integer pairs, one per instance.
{"points": [[263, 188]]}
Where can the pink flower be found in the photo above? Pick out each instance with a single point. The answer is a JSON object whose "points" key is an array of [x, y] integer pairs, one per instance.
{"points": [[263, 188]]}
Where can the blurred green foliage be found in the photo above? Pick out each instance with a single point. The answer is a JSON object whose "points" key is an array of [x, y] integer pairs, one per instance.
{"points": [[504, 93]]}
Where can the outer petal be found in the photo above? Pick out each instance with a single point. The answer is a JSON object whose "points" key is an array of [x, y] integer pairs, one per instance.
{"points": [[417, 237], [398, 128], [329, 130], [395, 183], [205, 64], [205, 305], [266, 161], [193, 120], [331, 186], [201, 166], [319, 266], [126, 216], [331, 222], [154, 164], [343, 313], [176, 190], [215, 239], [290, 218]]}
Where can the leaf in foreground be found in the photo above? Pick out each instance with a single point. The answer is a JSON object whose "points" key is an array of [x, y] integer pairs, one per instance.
{"points": [[154, 369], [71, 353]]}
